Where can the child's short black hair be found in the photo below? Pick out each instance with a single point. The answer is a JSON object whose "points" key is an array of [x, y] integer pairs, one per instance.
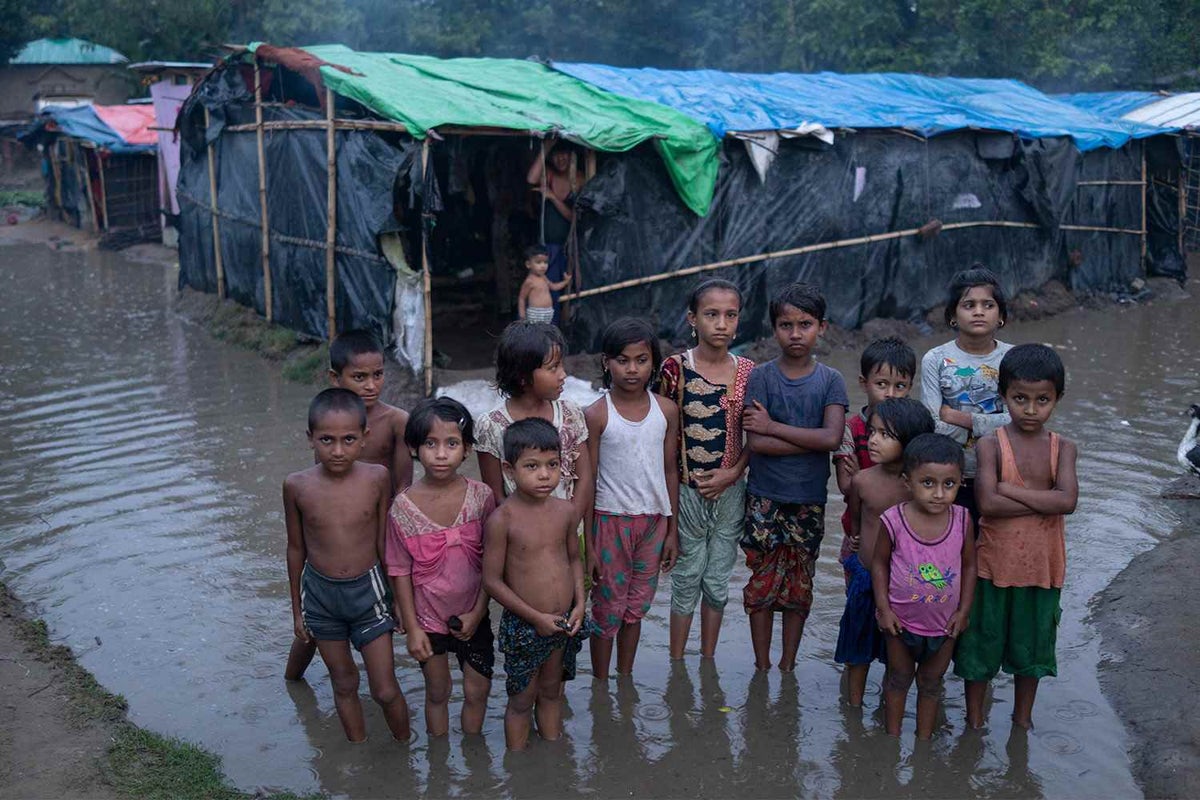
{"points": [[535, 250], [447, 409], [803, 296], [623, 332], [335, 400], [967, 279], [531, 433], [1032, 362], [710, 285], [350, 344], [904, 419], [523, 347], [891, 351], [932, 448]]}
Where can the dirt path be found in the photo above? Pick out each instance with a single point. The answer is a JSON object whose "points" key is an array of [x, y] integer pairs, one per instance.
{"points": [[1152, 670], [46, 750]]}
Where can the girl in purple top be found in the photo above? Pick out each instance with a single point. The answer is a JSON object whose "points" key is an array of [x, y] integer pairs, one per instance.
{"points": [[923, 575], [434, 557]]}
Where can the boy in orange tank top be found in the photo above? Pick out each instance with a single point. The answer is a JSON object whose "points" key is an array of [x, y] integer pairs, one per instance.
{"points": [[1025, 486]]}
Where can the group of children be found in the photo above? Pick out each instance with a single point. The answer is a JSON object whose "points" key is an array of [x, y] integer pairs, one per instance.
{"points": [[953, 549]]}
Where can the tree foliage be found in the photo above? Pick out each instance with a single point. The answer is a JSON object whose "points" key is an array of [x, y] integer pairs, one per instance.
{"points": [[1054, 44]]}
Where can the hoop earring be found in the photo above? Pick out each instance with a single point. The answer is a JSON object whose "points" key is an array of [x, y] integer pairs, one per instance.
{"points": [[953, 323], [1001, 323]]}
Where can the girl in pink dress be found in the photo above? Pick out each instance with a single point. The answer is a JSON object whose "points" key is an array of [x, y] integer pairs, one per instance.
{"points": [[923, 575], [435, 563]]}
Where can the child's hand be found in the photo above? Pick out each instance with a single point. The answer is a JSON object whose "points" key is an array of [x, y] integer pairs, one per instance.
{"points": [[712, 483], [847, 466], [419, 646], [547, 624], [890, 623], [301, 631], [854, 541], [575, 621], [670, 551], [755, 419], [470, 621], [958, 623]]}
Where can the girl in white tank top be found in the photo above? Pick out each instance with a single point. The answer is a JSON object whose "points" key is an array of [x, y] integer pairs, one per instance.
{"points": [[633, 441]]}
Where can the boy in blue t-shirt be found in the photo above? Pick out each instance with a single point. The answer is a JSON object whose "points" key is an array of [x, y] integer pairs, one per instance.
{"points": [[795, 412]]}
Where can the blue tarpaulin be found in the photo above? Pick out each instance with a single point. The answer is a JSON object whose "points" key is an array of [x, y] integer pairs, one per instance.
{"points": [[83, 123], [1110, 104], [728, 101]]}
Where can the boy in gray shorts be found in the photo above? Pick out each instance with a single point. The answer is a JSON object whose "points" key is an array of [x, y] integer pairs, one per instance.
{"points": [[336, 514]]}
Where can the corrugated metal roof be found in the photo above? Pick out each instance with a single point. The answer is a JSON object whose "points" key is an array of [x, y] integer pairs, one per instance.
{"points": [[67, 51], [1176, 111]]}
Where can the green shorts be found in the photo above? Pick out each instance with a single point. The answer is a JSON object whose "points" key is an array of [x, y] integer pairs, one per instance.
{"points": [[1014, 628]]}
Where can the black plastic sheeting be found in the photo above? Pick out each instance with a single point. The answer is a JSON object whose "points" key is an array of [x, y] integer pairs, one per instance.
{"points": [[632, 225], [367, 170]]}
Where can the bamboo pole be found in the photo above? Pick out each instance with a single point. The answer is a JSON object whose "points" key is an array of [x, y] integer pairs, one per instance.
{"points": [[103, 189], [262, 195], [91, 195], [814, 248], [331, 224], [589, 170], [216, 221], [1110, 183], [318, 124], [428, 356], [56, 172], [1143, 205], [1182, 207]]}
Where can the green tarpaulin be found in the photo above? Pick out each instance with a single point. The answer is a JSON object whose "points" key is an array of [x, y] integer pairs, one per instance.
{"points": [[423, 93]]}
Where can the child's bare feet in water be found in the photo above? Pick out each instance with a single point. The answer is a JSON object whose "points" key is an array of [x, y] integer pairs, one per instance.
{"points": [[762, 667], [787, 666]]}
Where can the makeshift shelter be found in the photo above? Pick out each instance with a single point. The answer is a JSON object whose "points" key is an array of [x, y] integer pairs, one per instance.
{"points": [[102, 170], [169, 83], [364, 190], [61, 72]]}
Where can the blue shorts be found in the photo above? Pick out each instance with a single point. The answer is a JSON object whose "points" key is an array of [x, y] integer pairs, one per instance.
{"points": [[859, 639], [357, 609]]}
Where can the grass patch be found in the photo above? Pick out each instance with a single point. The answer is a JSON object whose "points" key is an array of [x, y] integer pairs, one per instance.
{"points": [[139, 764], [89, 701], [22, 197], [308, 365]]}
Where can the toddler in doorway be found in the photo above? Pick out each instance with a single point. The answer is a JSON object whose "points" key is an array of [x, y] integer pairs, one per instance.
{"points": [[535, 303]]}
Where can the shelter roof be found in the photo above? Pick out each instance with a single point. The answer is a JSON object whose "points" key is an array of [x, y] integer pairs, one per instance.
{"points": [[1110, 104], [1176, 111], [119, 129], [730, 101], [66, 51], [425, 93]]}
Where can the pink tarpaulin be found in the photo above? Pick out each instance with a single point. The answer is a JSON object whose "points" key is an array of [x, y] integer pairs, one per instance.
{"points": [[168, 97], [131, 123]]}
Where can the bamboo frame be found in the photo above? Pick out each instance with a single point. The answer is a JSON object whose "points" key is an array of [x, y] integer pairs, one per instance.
{"points": [[1144, 238], [216, 220], [91, 195], [262, 195], [103, 189], [318, 124], [331, 225], [814, 248], [427, 287]]}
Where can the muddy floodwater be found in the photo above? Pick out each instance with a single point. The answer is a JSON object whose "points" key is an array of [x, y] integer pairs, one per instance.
{"points": [[142, 520]]}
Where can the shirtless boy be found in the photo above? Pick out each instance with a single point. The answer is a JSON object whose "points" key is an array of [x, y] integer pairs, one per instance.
{"points": [[356, 364], [535, 302], [336, 515], [531, 567]]}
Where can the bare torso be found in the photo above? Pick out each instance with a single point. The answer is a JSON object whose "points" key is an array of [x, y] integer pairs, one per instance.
{"points": [[341, 518], [385, 444], [878, 490], [537, 566], [1032, 454], [537, 291]]}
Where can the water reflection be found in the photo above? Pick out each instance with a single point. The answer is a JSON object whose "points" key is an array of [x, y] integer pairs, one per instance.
{"points": [[141, 492]]}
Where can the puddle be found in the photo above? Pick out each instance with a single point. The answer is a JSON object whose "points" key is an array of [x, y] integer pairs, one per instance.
{"points": [[141, 491]]}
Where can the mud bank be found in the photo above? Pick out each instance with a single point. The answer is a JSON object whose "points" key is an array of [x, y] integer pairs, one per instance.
{"points": [[1151, 666]]}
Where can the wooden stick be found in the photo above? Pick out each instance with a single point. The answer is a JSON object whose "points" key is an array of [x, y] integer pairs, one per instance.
{"points": [[262, 195], [331, 224], [1110, 183], [589, 161], [318, 124], [1143, 206], [1181, 207], [56, 172], [813, 248], [91, 196], [216, 220], [428, 357], [103, 190]]}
